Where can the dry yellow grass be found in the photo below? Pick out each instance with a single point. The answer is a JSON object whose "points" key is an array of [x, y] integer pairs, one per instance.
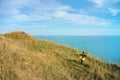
{"points": [[23, 57]]}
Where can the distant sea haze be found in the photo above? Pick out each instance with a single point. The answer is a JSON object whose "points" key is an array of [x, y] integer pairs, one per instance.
{"points": [[106, 48]]}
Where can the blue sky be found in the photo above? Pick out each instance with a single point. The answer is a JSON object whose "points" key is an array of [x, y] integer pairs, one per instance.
{"points": [[61, 17]]}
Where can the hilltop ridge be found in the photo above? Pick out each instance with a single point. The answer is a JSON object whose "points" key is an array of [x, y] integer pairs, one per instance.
{"points": [[23, 57]]}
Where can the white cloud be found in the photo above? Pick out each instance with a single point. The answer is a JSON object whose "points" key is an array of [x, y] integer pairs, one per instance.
{"points": [[41, 15], [104, 3], [99, 3], [81, 18], [114, 12], [47, 10], [20, 17], [111, 6], [29, 10]]}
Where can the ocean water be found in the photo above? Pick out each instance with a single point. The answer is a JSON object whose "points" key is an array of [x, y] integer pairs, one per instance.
{"points": [[106, 48]]}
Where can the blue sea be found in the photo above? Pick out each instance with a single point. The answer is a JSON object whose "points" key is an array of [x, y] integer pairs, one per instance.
{"points": [[107, 48]]}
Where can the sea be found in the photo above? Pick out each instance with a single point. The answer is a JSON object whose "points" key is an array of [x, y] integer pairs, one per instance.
{"points": [[106, 48]]}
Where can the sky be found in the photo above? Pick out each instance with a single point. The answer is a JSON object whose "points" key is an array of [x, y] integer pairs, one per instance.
{"points": [[61, 17]]}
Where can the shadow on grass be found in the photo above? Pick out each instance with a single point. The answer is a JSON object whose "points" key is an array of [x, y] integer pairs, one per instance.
{"points": [[72, 62], [76, 63]]}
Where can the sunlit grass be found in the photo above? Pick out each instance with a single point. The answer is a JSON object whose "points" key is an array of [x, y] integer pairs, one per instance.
{"points": [[23, 57]]}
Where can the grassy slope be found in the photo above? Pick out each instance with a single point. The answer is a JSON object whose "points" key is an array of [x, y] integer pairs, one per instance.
{"points": [[23, 57]]}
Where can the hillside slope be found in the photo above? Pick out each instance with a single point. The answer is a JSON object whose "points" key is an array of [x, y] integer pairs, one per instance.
{"points": [[22, 57]]}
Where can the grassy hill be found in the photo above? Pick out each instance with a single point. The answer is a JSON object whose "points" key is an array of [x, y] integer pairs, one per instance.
{"points": [[22, 57]]}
